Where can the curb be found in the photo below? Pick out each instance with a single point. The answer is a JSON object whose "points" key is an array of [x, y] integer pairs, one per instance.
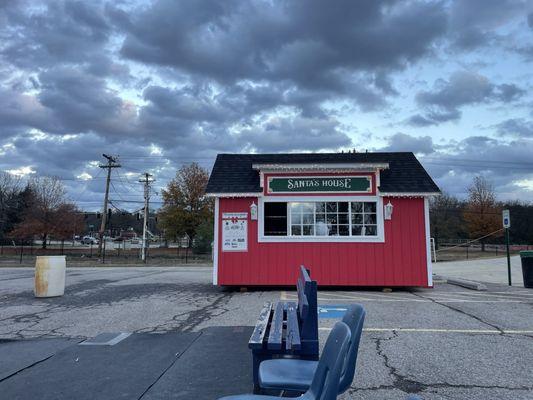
{"points": [[467, 284]]}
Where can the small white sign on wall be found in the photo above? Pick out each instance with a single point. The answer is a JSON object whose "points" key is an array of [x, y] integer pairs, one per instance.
{"points": [[235, 231]]}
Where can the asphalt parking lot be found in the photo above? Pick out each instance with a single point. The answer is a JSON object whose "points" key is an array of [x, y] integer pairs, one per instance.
{"points": [[442, 343]]}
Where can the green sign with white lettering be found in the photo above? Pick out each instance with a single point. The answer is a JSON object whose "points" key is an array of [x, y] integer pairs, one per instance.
{"points": [[323, 184]]}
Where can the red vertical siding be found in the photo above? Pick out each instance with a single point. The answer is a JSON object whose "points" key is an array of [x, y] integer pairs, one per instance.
{"points": [[399, 261]]}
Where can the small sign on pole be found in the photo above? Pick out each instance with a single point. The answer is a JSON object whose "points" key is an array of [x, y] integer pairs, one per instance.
{"points": [[506, 219], [506, 216]]}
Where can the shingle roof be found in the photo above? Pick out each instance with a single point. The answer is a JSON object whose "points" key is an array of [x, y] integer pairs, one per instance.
{"points": [[233, 173]]}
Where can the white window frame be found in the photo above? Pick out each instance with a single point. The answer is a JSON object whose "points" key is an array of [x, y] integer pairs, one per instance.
{"points": [[379, 238]]}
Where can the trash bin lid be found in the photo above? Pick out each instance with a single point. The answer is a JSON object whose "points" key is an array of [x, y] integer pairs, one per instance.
{"points": [[526, 254]]}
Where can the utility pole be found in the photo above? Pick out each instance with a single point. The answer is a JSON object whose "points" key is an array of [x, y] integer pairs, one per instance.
{"points": [[111, 163], [147, 180]]}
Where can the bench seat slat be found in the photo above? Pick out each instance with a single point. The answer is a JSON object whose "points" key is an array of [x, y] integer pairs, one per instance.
{"points": [[258, 335], [292, 341], [275, 336]]}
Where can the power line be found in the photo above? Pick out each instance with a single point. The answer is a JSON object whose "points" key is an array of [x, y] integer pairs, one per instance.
{"points": [[137, 201], [478, 166], [127, 157], [475, 160], [471, 241]]}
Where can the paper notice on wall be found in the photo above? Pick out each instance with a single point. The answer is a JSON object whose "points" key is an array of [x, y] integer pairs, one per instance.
{"points": [[234, 231]]}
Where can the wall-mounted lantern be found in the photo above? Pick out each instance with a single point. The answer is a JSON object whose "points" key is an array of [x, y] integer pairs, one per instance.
{"points": [[388, 210], [253, 211]]}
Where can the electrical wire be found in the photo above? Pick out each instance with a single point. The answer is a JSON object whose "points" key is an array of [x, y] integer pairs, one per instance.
{"points": [[471, 241]]}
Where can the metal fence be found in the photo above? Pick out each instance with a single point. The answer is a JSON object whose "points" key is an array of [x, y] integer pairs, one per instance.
{"points": [[112, 252], [464, 250]]}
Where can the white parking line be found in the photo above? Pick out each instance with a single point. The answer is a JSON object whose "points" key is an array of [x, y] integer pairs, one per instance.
{"points": [[358, 299], [428, 300], [479, 295], [375, 295], [436, 330]]}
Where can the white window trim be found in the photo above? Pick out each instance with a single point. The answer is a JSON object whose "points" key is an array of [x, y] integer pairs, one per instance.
{"points": [[379, 238]]}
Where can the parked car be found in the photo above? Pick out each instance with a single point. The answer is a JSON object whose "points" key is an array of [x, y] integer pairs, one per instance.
{"points": [[89, 240], [127, 235]]}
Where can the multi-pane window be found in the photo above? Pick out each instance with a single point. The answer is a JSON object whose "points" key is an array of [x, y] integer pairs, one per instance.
{"points": [[364, 220], [302, 219], [331, 218], [275, 219]]}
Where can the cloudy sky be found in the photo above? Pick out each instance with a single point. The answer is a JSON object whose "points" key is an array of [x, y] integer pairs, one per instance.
{"points": [[164, 83]]}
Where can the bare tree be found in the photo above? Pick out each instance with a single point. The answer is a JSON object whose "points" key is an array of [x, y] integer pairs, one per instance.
{"points": [[446, 216], [481, 214], [49, 213]]}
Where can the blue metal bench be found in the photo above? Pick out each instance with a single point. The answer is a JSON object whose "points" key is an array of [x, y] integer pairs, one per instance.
{"points": [[287, 328]]}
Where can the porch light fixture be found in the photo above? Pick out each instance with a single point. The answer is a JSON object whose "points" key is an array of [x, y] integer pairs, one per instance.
{"points": [[388, 210], [253, 211]]}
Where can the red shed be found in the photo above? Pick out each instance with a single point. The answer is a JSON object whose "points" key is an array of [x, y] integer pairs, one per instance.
{"points": [[356, 219]]}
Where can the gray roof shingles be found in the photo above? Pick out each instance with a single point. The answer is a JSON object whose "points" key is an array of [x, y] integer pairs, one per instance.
{"points": [[233, 173]]}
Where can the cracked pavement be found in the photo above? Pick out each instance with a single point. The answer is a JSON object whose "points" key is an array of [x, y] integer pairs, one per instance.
{"points": [[441, 343]]}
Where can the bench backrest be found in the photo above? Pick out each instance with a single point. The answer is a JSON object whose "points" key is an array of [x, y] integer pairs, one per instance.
{"points": [[307, 305], [354, 319]]}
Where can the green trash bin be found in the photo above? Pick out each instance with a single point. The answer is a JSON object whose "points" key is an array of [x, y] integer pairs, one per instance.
{"points": [[527, 268]]}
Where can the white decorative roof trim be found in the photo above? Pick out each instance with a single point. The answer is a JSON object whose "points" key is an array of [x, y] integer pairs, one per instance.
{"points": [[338, 167], [254, 194], [409, 194]]}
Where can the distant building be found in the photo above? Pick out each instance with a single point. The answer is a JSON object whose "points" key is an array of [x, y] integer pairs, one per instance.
{"points": [[120, 222]]}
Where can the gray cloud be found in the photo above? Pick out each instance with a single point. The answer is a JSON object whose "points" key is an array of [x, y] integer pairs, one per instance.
{"points": [[285, 41], [473, 23], [298, 134], [517, 127], [83, 103], [444, 102], [405, 142], [69, 31], [454, 163], [20, 111]]}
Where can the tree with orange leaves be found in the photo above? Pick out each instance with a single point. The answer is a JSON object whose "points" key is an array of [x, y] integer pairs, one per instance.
{"points": [[185, 206]]}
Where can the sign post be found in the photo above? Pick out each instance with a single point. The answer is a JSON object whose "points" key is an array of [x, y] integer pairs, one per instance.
{"points": [[506, 219]]}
